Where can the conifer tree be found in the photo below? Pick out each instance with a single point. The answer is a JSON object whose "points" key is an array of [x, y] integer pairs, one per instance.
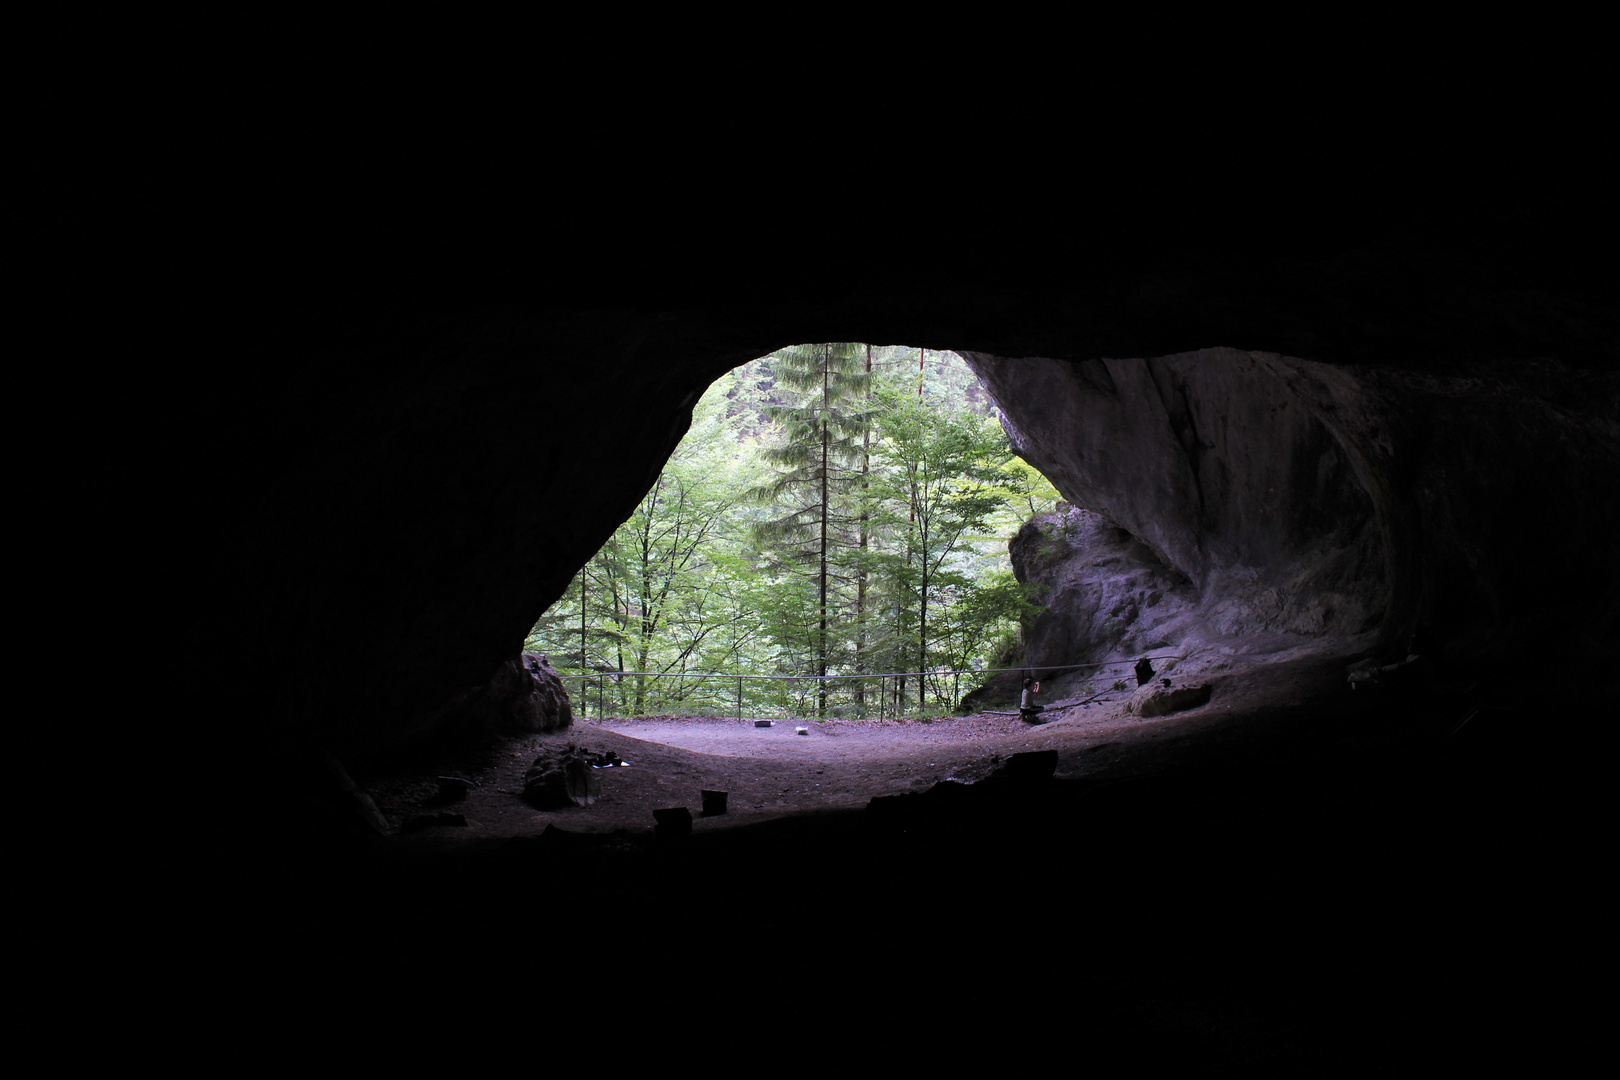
{"points": [[817, 477]]}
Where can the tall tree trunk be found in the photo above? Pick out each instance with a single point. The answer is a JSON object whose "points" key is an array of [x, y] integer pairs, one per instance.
{"points": [[644, 654], [860, 570], [922, 637], [821, 640], [644, 589], [922, 532], [621, 615], [583, 669]]}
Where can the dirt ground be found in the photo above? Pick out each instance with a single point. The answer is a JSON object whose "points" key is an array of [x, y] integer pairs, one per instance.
{"points": [[775, 771], [1285, 881]]}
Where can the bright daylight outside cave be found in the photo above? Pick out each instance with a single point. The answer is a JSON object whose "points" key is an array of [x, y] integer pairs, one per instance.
{"points": [[829, 541]]}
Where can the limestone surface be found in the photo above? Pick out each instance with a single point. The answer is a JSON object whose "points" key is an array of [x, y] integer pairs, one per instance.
{"points": [[1236, 501]]}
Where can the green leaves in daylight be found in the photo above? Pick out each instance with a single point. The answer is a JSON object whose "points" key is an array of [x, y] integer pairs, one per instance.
{"points": [[836, 509], [818, 514], [941, 479], [674, 589]]}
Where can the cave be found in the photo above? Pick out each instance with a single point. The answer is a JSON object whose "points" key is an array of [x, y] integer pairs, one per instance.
{"points": [[384, 448]]}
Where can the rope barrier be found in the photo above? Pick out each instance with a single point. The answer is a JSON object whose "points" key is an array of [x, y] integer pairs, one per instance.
{"points": [[874, 675], [881, 696]]}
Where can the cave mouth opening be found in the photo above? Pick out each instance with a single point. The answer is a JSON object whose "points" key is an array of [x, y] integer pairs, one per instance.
{"points": [[828, 541], [699, 700], [1216, 523], [1209, 497]]}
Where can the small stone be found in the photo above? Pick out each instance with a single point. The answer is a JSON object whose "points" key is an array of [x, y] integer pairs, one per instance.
{"points": [[673, 821]]}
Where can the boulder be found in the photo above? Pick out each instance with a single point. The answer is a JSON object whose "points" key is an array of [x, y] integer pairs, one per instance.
{"points": [[524, 695], [1158, 699], [541, 703], [566, 776]]}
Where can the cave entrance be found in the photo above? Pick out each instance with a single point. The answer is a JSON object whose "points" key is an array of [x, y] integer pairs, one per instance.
{"points": [[828, 541]]}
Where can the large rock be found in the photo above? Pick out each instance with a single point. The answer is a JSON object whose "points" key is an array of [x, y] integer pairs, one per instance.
{"points": [[525, 695], [540, 703], [1162, 699]]}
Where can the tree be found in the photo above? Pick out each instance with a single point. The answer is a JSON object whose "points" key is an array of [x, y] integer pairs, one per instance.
{"points": [[667, 591], [942, 482], [816, 476], [989, 608], [584, 628], [851, 516]]}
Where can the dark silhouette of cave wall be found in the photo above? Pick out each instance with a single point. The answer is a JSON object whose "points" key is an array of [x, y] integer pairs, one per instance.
{"points": [[381, 416], [382, 514]]}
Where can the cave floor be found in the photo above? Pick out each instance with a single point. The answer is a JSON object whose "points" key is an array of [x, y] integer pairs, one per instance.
{"points": [[1292, 879], [773, 772]]}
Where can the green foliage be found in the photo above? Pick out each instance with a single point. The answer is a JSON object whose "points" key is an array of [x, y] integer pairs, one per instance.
{"points": [[820, 468], [817, 520], [941, 482], [816, 465]]}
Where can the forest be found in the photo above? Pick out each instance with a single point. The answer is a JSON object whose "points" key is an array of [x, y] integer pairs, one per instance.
{"points": [[829, 540]]}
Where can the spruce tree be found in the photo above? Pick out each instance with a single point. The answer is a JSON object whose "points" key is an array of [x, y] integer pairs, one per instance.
{"points": [[817, 482]]}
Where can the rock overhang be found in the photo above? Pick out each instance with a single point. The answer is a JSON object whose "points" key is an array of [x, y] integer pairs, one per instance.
{"points": [[409, 469]]}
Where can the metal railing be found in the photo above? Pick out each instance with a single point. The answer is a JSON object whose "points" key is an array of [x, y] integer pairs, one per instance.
{"points": [[631, 693]]}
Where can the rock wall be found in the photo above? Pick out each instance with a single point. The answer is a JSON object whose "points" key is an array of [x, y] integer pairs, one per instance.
{"points": [[371, 440], [1232, 494], [385, 518], [1104, 593]]}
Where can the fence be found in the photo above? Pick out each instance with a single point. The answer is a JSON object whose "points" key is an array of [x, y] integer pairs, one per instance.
{"points": [[636, 693]]}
